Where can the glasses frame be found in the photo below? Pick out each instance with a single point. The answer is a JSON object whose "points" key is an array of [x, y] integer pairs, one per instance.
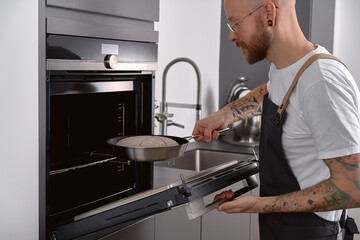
{"points": [[232, 27]]}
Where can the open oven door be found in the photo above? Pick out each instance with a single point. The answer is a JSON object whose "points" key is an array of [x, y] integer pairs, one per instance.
{"points": [[188, 190]]}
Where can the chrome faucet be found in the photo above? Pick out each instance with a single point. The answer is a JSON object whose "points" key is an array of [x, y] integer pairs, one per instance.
{"points": [[164, 105]]}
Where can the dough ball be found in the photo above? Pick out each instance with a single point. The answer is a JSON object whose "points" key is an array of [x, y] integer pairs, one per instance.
{"points": [[147, 142]]}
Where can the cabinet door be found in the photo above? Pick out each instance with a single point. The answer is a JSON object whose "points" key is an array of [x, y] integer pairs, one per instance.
{"points": [[219, 225], [175, 225], [254, 217], [137, 9], [139, 231]]}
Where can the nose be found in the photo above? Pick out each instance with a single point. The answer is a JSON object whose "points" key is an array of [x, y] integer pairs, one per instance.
{"points": [[233, 36]]}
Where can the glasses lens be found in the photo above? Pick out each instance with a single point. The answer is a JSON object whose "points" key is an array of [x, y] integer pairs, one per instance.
{"points": [[229, 26]]}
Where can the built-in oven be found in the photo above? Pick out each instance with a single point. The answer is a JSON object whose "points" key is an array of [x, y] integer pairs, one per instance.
{"points": [[95, 93], [98, 89]]}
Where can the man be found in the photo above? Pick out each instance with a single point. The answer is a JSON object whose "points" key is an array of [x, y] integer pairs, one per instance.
{"points": [[310, 136]]}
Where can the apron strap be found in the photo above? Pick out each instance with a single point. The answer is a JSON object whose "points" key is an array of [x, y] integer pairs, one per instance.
{"points": [[285, 101]]}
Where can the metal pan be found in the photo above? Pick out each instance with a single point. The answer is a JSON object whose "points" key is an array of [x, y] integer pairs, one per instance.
{"points": [[152, 154], [149, 154]]}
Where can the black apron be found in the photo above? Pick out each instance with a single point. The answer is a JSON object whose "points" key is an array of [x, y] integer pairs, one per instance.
{"points": [[276, 178]]}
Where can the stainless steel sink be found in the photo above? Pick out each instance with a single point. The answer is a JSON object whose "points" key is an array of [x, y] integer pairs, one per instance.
{"points": [[199, 160]]}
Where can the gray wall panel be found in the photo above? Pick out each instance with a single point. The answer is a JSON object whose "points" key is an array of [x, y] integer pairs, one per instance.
{"points": [[322, 30]]}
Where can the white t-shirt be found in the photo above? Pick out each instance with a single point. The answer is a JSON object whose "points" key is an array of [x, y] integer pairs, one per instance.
{"points": [[323, 117]]}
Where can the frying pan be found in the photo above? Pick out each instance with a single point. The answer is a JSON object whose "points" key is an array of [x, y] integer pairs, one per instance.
{"points": [[152, 154]]}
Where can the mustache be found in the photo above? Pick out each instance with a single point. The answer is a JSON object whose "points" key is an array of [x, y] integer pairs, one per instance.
{"points": [[240, 44]]}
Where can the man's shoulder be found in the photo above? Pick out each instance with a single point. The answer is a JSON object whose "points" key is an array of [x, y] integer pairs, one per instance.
{"points": [[325, 70]]}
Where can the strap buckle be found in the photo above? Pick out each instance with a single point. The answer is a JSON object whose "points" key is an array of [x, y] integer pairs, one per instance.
{"points": [[277, 118]]}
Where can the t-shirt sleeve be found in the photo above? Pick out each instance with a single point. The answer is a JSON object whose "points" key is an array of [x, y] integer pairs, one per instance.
{"points": [[330, 110]]}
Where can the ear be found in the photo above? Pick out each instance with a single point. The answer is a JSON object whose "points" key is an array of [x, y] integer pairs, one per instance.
{"points": [[270, 10]]}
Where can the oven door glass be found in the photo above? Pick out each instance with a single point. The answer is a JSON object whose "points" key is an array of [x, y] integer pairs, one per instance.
{"points": [[83, 170]]}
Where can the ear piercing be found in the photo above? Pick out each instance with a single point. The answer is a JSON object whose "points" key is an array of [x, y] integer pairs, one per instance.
{"points": [[270, 23]]}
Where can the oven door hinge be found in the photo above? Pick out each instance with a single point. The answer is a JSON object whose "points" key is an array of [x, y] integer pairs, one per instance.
{"points": [[183, 192]]}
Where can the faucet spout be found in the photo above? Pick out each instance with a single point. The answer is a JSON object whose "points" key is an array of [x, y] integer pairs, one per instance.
{"points": [[196, 68], [163, 106]]}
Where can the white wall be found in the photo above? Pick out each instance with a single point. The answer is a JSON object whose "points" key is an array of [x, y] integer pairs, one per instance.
{"points": [[347, 35], [189, 28], [19, 119]]}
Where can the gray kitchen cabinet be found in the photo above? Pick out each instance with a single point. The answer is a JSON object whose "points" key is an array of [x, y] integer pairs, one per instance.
{"points": [[131, 20], [140, 231], [254, 226], [219, 225], [137, 9], [175, 225], [254, 223]]}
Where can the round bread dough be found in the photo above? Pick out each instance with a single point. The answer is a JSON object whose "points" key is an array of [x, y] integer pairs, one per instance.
{"points": [[147, 142]]}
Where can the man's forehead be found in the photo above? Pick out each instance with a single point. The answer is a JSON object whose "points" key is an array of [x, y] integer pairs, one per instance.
{"points": [[234, 8], [246, 4]]}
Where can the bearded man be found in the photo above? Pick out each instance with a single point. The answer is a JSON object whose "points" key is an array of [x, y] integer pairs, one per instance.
{"points": [[310, 130]]}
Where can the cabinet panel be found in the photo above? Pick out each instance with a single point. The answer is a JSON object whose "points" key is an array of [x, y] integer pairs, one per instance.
{"points": [[225, 226], [138, 9], [139, 231], [175, 225], [219, 225], [254, 217]]}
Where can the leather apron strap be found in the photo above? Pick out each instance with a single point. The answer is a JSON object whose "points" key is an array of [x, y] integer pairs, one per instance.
{"points": [[285, 102]]}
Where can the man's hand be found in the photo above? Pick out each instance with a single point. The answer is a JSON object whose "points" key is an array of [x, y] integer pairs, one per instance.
{"points": [[243, 204], [208, 126]]}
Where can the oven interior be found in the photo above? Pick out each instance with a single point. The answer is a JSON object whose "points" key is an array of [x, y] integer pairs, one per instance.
{"points": [[83, 170]]}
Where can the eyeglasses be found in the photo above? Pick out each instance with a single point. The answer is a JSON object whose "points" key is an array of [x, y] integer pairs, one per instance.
{"points": [[232, 27]]}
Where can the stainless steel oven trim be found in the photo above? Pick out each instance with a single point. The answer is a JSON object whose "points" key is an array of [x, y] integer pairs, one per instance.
{"points": [[83, 65], [67, 88]]}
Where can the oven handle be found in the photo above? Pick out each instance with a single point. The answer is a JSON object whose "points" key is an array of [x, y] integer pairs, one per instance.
{"points": [[197, 208], [90, 65]]}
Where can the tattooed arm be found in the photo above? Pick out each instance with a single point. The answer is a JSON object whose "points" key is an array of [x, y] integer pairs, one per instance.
{"points": [[249, 105], [245, 107], [340, 191]]}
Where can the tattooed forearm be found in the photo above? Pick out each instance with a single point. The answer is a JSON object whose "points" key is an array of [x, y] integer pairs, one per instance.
{"points": [[322, 197], [249, 105], [340, 191]]}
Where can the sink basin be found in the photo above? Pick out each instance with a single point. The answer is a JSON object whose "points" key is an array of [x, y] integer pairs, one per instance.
{"points": [[199, 160]]}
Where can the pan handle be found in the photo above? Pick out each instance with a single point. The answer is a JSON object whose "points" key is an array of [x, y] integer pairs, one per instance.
{"points": [[201, 134]]}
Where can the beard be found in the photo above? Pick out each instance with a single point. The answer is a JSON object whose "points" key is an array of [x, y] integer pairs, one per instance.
{"points": [[256, 49]]}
